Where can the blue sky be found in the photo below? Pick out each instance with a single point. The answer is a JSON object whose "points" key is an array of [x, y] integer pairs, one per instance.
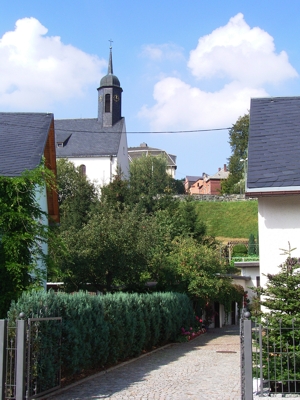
{"points": [[183, 65]]}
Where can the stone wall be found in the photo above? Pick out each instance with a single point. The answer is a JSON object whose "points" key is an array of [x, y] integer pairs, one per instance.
{"points": [[211, 197]]}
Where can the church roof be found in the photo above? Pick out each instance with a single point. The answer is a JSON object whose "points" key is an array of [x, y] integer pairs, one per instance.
{"points": [[23, 138], [86, 138]]}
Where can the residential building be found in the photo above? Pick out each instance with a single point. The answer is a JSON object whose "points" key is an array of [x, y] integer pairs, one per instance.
{"points": [[209, 184], [27, 138], [273, 177], [97, 145], [144, 150], [189, 181]]}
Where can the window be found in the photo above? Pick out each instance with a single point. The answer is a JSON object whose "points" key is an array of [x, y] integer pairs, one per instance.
{"points": [[82, 170], [257, 281], [107, 103]]}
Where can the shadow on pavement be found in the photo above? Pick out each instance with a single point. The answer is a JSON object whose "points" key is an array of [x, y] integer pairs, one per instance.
{"points": [[113, 380]]}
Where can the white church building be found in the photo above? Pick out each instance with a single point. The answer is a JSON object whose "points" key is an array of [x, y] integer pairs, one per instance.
{"points": [[97, 145]]}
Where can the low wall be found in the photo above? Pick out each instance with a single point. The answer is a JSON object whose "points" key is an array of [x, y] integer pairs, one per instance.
{"points": [[211, 197]]}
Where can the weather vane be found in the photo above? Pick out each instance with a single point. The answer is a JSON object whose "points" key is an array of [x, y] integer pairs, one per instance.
{"points": [[110, 41]]}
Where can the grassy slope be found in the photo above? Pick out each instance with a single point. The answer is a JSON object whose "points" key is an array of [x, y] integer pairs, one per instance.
{"points": [[229, 219]]}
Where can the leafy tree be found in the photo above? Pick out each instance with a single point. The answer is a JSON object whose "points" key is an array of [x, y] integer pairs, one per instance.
{"points": [[238, 140], [22, 232], [77, 195], [111, 249], [149, 182], [116, 193]]}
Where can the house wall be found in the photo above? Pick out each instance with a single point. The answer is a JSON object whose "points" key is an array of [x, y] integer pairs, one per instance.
{"points": [[98, 169], [252, 272], [123, 161], [279, 223], [41, 197]]}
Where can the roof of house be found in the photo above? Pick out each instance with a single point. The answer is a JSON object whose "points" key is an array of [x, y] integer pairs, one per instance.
{"points": [[23, 138], [191, 178], [221, 174], [144, 149], [86, 138], [274, 145]]}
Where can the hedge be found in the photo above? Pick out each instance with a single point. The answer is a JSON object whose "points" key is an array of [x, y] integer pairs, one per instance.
{"points": [[100, 330]]}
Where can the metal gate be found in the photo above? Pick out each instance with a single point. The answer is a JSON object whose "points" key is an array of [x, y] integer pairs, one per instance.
{"points": [[270, 358], [30, 362]]}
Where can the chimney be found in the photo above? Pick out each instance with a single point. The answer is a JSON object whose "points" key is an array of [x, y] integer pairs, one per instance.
{"points": [[225, 168], [219, 169]]}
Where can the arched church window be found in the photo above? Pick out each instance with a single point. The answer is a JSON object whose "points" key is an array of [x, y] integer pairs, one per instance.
{"points": [[107, 103], [82, 170]]}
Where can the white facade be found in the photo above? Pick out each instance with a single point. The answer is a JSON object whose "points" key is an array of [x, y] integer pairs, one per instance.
{"points": [[279, 225], [101, 170]]}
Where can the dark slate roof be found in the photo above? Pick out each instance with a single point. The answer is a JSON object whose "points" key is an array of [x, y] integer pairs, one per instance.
{"points": [[86, 138], [23, 137], [274, 145], [192, 178]]}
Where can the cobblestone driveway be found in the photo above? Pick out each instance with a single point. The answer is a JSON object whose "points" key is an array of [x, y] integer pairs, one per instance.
{"points": [[207, 367]]}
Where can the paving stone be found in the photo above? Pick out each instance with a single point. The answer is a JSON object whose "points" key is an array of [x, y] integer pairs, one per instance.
{"points": [[207, 367]]}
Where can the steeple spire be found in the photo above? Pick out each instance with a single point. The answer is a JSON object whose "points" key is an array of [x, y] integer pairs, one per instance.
{"points": [[110, 64]]}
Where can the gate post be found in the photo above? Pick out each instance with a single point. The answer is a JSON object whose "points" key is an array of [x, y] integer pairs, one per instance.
{"points": [[3, 343], [248, 359], [20, 367]]}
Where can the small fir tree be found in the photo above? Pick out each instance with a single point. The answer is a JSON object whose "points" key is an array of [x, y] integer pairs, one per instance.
{"points": [[281, 298]]}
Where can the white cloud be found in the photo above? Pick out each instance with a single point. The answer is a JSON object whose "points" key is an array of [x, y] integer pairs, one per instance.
{"points": [[244, 58], [37, 70], [180, 106], [166, 51], [240, 53]]}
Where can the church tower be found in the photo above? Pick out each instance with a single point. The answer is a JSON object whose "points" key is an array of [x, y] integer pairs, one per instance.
{"points": [[109, 97]]}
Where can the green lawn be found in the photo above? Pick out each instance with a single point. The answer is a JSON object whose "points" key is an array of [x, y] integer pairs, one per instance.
{"points": [[229, 219]]}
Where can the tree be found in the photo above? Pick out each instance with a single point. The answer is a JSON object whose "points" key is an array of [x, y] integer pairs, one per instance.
{"points": [[22, 233], [111, 250], [117, 192], [281, 298], [149, 182], [238, 140], [77, 195]]}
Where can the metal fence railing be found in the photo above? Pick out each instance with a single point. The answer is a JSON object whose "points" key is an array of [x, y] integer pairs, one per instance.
{"points": [[274, 358], [30, 357]]}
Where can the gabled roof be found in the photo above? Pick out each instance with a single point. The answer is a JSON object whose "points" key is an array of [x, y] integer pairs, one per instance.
{"points": [[86, 138], [191, 178], [23, 138], [221, 174], [274, 146], [144, 149]]}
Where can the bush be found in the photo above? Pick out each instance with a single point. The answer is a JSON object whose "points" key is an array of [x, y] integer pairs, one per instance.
{"points": [[97, 330], [239, 250]]}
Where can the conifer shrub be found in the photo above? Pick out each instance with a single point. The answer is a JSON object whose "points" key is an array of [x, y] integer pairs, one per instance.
{"points": [[101, 330]]}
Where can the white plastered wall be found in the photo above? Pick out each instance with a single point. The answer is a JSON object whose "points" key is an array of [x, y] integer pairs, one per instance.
{"points": [[123, 161], [99, 170], [279, 223]]}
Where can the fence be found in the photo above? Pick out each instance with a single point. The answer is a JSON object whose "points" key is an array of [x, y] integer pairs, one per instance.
{"points": [[29, 357], [270, 358]]}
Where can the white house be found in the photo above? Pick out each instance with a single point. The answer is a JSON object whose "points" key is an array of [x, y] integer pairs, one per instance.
{"points": [[273, 177], [97, 145]]}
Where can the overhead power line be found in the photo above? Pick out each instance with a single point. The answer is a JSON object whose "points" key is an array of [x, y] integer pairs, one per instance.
{"points": [[128, 132]]}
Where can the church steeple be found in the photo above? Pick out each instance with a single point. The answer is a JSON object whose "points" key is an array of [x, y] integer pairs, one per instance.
{"points": [[109, 97], [110, 64]]}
